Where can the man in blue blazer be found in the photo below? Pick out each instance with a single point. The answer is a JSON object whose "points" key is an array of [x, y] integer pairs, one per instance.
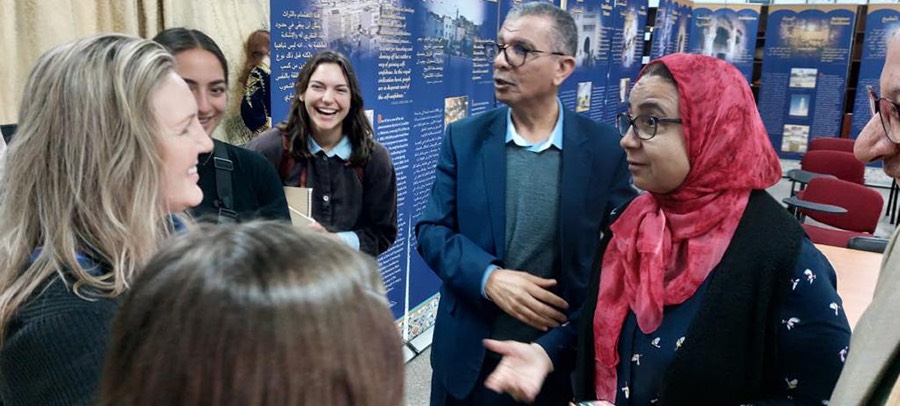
{"points": [[512, 225]]}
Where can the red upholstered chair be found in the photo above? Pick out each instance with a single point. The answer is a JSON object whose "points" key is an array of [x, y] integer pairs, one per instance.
{"points": [[846, 145], [831, 144], [841, 164], [863, 207]]}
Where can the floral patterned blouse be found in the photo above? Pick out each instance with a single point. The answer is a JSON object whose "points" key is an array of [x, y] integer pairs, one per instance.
{"points": [[813, 339]]}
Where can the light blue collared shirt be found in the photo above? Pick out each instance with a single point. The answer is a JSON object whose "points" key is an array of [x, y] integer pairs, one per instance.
{"points": [[555, 139], [342, 150]]}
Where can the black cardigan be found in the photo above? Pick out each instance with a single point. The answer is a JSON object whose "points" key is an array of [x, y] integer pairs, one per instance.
{"points": [[744, 294]]}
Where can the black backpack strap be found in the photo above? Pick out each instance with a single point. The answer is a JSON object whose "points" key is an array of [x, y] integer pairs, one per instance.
{"points": [[224, 167]]}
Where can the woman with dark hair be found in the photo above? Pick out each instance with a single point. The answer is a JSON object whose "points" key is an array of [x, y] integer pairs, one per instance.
{"points": [[259, 313], [327, 144], [706, 290], [238, 185], [256, 104]]}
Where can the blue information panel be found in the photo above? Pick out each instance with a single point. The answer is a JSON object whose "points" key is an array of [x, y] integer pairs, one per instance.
{"points": [[377, 37], [626, 53], [585, 91], [804, 74], [608, 57], [453, 80], [672, 28], [726, 32], [421, 65], [881, 22]]}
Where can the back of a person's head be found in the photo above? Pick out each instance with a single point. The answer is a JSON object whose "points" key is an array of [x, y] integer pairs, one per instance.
{"points": [[255, 314], [83, 172]]}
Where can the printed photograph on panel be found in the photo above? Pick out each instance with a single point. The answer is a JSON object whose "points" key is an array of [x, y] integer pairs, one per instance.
{"points": [[804, 78], [799, 105], [455, 108], [584, 97], [794, 138], [352, 27], [808, 35], [590, 33], [457, 23], [631, 43], [725, 37], [681, 43], [623, 89]]}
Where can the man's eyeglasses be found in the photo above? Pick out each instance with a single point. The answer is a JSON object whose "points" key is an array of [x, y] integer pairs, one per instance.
{"points": [[645, 125], [516, 54], [887, 108]]}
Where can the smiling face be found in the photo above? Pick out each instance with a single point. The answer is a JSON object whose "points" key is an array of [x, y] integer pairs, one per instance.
{"points": [[872, 144], [660, 164], [181, 140], [540, 76], [327, 100], [204, 75]]}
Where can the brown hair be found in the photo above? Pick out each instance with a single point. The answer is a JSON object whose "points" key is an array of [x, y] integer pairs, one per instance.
{"points": [[355, 126], [255, 49], [259, 313]]}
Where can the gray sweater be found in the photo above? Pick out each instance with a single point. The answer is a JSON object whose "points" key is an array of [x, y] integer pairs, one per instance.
{"points": [[532, 225]]}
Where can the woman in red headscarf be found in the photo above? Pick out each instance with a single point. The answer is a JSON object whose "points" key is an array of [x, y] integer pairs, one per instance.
{"points": [[710, 293], [707, 291]]}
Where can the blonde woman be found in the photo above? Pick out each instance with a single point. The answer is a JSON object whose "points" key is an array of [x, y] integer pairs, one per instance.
{"points": [[105, 151]]}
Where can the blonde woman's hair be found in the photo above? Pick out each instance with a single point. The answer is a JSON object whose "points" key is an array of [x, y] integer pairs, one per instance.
{"points": [[82, 176]]}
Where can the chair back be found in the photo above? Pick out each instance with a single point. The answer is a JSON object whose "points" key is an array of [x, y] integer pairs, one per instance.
{"points": [[841, 164], [831, 144], [862, 203]]}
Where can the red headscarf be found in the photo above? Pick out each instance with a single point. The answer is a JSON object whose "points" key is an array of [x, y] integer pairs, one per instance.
{"points": [[665, 245]]}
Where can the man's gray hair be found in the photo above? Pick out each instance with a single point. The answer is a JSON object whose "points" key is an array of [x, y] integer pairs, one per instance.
{"points": [[564, 29]]}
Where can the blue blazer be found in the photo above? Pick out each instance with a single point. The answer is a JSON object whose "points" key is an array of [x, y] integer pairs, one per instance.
{"points": [[462, 231]]}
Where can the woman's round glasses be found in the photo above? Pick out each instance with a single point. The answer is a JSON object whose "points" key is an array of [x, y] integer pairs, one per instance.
{"points": [[645, 125]]}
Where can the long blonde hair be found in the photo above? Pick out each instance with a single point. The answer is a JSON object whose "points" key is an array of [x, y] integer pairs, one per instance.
{"points": [[82, 175]]}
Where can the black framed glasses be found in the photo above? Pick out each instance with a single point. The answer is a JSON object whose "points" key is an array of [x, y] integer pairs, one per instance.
{"points": [[515, 54], [645, 125], [888, 110]]}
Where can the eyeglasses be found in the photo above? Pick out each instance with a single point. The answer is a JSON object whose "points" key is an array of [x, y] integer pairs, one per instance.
{"points": [[645, 125], [887, 108], [515, 54]]}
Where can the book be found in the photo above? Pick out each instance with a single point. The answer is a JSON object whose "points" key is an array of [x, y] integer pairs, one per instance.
{"points": [[299, 201]]}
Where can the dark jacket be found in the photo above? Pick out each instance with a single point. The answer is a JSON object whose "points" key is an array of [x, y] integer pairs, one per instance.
{"points": [[462, 231], [745, 291], [55, 348], [256, 189], [346, 197]]}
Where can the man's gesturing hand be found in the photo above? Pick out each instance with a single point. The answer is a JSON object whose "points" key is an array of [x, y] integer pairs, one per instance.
{"points": [[521, 371]]}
